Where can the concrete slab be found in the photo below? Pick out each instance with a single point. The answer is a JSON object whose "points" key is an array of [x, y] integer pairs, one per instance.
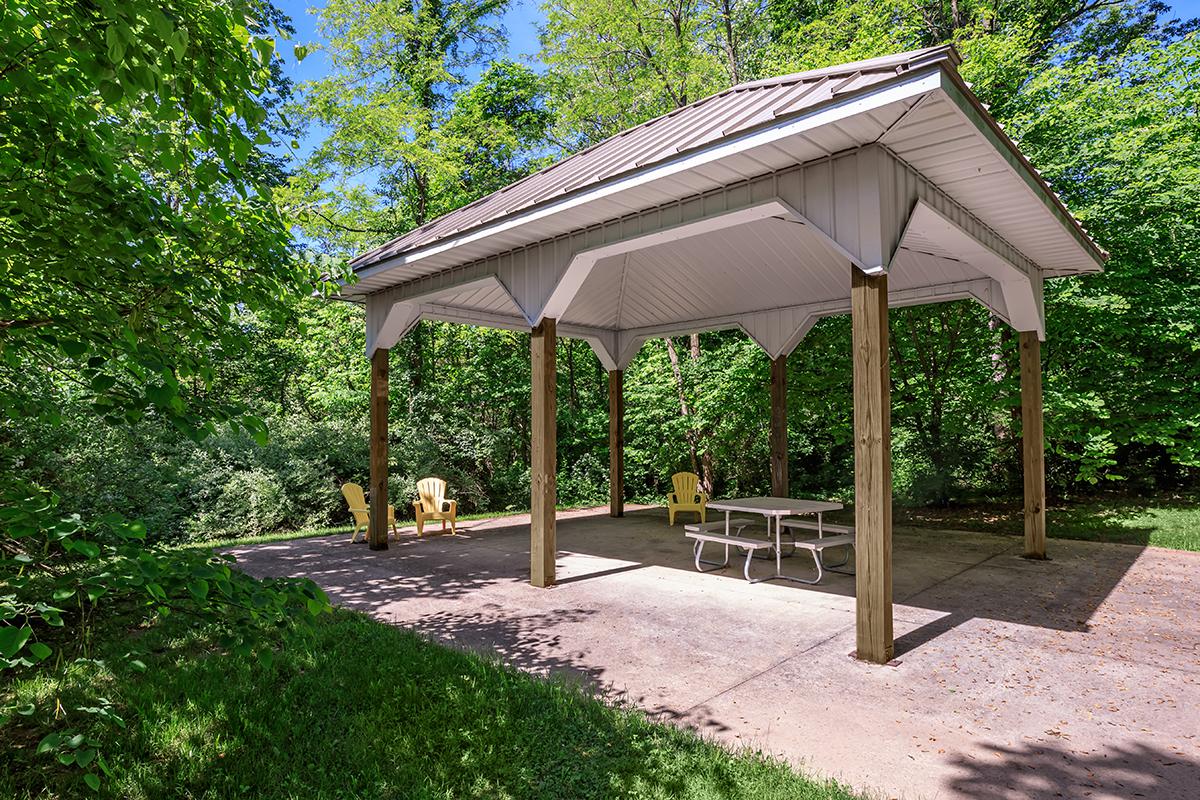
{"points": [[1075, 677]]}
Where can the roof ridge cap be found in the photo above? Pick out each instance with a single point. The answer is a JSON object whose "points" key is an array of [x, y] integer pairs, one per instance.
{"points": [[911, 59]]}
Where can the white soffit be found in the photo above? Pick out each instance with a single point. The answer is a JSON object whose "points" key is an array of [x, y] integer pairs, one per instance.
{"points": [[763, 264], [939, 141]]}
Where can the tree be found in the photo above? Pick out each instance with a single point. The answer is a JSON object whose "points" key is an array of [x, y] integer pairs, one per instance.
{"points": [[138, 221], [615, 65], [134, 220], [407, 142], [1119, 137]]}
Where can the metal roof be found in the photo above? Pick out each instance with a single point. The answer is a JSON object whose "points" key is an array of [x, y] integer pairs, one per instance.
{"points": [[728, 115]]}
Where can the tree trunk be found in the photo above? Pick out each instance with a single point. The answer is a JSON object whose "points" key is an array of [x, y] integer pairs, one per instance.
{"points": [[701, 461], [573, 393]]}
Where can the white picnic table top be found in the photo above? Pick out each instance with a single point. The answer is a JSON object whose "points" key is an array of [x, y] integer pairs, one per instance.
{"points": [[774, 506]]}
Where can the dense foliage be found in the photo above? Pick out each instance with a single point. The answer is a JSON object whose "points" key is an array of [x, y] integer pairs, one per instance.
{"points": [[137, 227], [416, 117]]}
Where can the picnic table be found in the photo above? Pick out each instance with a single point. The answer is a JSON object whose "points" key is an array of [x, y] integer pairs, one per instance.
{"points": [[774, 509]]}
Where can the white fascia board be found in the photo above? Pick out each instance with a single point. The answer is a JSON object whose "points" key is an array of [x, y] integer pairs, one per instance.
{"points": [[912, 85]]}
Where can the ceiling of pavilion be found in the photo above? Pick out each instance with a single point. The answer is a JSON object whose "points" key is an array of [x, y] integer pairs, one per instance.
{"points": [[764, 264]]}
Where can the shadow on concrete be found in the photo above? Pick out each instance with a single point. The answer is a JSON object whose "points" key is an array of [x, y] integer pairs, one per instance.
{"points": [[918, 637], [527, 641], [1037, 771], [359, 578], [962, 576]]}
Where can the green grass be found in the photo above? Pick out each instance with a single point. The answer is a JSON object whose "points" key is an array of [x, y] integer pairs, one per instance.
{"points": [[359, 709], [1171, 522]]}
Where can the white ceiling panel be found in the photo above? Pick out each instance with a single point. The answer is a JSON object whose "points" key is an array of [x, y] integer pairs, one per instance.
{"points": [[768, 263]]}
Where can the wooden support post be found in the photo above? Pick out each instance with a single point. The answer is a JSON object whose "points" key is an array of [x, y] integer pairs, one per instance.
{"points": [[543, 484], [616, 443], [872, 466], [1033, 445], [778, 431], [377, 527]]}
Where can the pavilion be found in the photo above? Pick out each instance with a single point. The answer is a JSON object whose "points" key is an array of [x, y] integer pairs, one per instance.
{"points": [[764, 207]]}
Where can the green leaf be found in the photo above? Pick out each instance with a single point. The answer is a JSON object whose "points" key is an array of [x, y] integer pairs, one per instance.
{"points": [[198, 588], [13, 639], [265, 47], [169, 159], [81, 184], [40, 651], [86, 549], [92, 780], [300, 51], [161, 24], [85, 757], [241, 148], [102, 383], [111, 92], [49, 742], [116, 44], [256, 428]]}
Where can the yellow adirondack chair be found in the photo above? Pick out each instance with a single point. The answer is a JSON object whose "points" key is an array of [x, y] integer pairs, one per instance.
{"points": [[432, 504], [687, 495], [362, 512]]}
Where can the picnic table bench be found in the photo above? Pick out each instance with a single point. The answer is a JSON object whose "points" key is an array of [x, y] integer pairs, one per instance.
{"points": [[843, 536], [821, 528], [714, 532]]}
